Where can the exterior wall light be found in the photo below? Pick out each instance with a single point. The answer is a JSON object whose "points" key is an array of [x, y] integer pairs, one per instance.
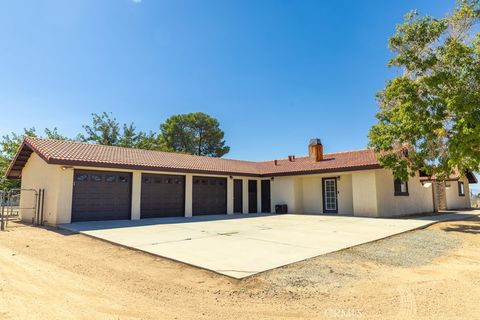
{"points": [[66, 167], [427, 184]]}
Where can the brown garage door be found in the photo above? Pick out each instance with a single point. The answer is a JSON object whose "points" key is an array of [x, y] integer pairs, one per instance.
{"points": [[162, 196], [101, 195], [209, 195]]}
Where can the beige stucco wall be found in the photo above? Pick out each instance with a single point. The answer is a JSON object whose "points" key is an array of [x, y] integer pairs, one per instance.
{"points": [[37, 174], [287, 190], [364, 193], [312, 195], [419, 200], [58, 184], [360, 193], [454, 201]]}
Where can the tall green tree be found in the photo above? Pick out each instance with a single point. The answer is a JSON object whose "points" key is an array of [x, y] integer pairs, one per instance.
{"points": [[194, 133], [104, 129], [429, 117]]}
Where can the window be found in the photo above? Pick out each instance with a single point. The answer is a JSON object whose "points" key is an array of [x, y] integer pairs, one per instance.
{"points": [[95, 178], [81, 177], [122, 179], [109, 178], [401, 187], [147, 180], [461, 189]]}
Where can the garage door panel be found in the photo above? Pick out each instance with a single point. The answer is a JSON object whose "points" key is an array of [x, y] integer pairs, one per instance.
{"points": [[162, 196], [209, 195], [101, 195]]}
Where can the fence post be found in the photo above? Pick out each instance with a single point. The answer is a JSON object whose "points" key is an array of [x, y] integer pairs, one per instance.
{"points": [[2, 208]]}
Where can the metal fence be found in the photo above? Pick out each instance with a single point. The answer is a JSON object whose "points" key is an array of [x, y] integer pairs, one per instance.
{"points": [[11, 205]]}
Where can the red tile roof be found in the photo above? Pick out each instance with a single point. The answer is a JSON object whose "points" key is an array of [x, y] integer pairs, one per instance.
{"points": [[94, 155]]}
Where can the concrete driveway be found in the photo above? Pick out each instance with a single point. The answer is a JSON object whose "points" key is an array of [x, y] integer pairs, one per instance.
{"points": [[242, 245]]}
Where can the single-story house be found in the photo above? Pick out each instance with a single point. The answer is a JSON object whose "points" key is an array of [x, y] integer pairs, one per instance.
{"points": [[85, 182]]}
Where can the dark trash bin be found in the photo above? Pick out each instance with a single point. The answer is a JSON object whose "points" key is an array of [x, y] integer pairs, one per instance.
{"points": [[281, 208]]}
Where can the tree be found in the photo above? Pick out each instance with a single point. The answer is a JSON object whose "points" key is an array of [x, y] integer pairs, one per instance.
{"points": [[9, 145], [429, 117], [103, 130], [193, 133], [53, 134], [106, 130]]}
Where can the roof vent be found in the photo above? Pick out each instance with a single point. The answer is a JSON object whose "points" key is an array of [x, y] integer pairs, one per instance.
{"points": [[275, 162], [291, 158]]}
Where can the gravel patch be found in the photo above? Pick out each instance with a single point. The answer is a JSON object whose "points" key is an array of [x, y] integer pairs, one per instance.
{"points": [[319, 276], [411, 249]]}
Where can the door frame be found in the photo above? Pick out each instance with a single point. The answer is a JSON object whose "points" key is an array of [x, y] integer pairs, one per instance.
{"points": [[238, 182], [266, 199], [323, 195], [251, 208]]}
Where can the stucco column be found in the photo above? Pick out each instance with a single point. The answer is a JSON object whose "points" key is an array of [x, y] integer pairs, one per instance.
{"points": [[136, 194], [229, 196], [245, 195], [188, 195]]}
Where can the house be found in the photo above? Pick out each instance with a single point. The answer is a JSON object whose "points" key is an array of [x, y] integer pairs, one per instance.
{"points": [[85, 182]]}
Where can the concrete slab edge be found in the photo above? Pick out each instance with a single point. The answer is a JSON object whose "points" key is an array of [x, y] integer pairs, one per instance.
{"points": [[464, 217]]}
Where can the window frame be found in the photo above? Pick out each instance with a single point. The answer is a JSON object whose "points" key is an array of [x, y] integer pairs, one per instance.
{"points": [[397, 186], [461, 193]]}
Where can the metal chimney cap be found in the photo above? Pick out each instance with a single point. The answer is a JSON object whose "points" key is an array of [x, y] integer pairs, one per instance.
{"points": [[315, 141]]}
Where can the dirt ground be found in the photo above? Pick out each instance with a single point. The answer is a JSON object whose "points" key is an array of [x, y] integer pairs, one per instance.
{"points": [[432, 273]]}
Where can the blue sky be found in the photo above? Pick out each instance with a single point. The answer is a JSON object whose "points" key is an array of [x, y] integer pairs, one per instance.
{"points": [[275, 73]]}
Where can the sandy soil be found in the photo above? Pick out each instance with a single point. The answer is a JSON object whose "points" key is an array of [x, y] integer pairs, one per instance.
{"points": [[426, 274]]}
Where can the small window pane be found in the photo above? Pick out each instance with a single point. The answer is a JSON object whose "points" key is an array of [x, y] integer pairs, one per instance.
{"points": [[403, 187], [122, 179], [461, 189], [109, 178], [147, 180], [81, 177], [158, 180], [96, 178]]}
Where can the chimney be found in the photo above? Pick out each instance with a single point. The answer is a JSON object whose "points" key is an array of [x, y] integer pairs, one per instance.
{"points": [[291, 158], [275, 162], [315, 149]]}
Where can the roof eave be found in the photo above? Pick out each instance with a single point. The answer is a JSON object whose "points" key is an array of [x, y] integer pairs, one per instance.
{"points": [[319, 171], [147, 168]]}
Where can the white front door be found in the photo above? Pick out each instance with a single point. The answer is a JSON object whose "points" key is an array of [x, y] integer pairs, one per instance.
{"points": [[330, 200]]}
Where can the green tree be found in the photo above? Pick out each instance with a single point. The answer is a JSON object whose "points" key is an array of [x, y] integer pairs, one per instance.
{"points": [[106, 130], [53, 134], [103, 130], [429, 117], [193, 133], [9, 145]]}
